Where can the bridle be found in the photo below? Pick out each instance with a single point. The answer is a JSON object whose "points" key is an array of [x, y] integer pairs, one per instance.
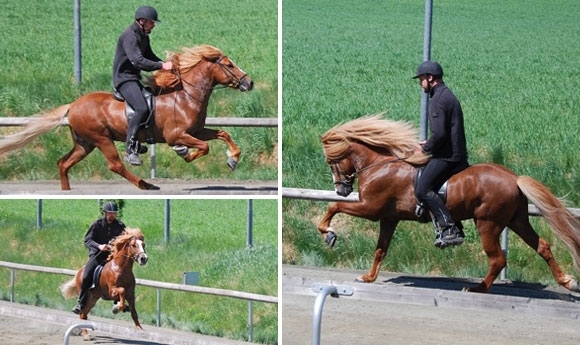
{"points": [[132, 257], [233, 82], [348, 179]]}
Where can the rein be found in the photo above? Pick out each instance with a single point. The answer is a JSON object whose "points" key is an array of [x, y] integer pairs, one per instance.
{"points": [[235, 81], [349, 178]]}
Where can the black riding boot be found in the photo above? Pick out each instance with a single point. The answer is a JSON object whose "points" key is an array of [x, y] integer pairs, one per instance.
{"points": [[85, 285], [448, 234], [132, 143]]}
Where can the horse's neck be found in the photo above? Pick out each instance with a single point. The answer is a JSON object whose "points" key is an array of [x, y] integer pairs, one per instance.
{"points": [[199, 83], [122, 260]]}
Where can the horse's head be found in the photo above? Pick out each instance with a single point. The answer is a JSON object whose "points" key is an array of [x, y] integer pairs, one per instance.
{"points": [[137, 250], [229, 74], [343, 175], [132, 245]]}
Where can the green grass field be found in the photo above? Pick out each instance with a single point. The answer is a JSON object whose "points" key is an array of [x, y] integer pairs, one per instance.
{"points": [[37, 50], [511, 64], [206, 236]]}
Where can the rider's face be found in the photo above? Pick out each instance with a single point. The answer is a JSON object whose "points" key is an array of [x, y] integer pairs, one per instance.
{"points": [[110, 216], [148, 25]]}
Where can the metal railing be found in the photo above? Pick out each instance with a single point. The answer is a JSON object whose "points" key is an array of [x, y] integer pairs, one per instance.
{"points": [[250, 297]]}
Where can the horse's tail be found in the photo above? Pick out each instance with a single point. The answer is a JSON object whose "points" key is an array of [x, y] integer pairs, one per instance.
{"points": [[69, 289], [562, 221], [36, 127]]}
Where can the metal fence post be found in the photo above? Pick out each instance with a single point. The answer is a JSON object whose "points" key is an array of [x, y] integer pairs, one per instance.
{"points": [[323, 292]]}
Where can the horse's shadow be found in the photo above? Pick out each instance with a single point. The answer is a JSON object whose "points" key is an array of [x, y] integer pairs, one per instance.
{"points": [[515, 289], [111, 340]]}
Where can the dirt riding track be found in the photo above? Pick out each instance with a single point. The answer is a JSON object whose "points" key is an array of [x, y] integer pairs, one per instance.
{"points": [[403, 309], [28, 325], [122, 187]]}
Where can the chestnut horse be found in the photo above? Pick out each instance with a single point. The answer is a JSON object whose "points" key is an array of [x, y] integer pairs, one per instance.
{"points": [[117, 281], [97, 119], [382, 155]]}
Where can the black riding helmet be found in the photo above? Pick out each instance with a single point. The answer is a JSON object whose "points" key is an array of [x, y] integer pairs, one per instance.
{"points": [[147, 12], [110, 206], [429, 67]]}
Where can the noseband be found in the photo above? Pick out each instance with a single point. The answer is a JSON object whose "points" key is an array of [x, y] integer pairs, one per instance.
{"points": [[234, 80]]}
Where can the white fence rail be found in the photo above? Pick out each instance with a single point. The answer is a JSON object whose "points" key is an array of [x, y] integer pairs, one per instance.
{"points": [[326, 195]]}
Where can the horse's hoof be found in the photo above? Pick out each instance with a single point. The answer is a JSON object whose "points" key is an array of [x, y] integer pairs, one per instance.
{"points": [[232, 163], [360, 280], [147, 186], [330, 238]]}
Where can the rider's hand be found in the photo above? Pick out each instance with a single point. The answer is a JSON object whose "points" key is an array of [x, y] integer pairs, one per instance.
{"points": [[167, 65]]}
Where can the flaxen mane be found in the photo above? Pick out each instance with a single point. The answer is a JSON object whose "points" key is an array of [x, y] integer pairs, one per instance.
{"points": [[120, 241], [397, 137], [183, 62]]}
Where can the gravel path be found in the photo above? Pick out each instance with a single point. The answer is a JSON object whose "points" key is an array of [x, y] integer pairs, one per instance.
{"points": [[403, 309]]}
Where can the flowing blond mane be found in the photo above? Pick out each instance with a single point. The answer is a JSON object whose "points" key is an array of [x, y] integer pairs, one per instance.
{"points": [[397, 137], [120, 241], [184, 61]]}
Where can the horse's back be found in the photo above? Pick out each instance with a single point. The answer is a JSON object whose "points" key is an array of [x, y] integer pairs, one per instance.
{"points": [[484, 183], [96, 109]]}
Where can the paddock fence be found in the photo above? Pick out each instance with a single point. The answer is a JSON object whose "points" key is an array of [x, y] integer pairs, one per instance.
{"points": [[250, 297], [259, 122], [331, 196]]}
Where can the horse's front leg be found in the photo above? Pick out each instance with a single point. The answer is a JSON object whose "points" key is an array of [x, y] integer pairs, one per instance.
{"points": [[118, 291], [131, 301], [233, 151], [386, 234], [328, 233]]}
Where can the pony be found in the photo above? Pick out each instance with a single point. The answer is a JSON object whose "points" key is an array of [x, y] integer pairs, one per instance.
{"points": [[383, 155], [97, 119], [117, 281]]}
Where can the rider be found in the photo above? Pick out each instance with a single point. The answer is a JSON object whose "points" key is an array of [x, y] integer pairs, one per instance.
{"points": [[97, 239], [447, 147], [132, 55]]}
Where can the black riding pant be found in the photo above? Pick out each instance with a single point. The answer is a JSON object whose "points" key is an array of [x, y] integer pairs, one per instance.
{"points": [[89, 269], [435, 173], [133, 94]]}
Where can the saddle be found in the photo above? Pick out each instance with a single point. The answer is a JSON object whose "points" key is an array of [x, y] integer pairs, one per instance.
{"points": [[147, 123], [96, 275], [442, 192]]}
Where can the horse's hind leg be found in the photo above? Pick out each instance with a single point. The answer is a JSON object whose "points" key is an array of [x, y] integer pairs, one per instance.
{"points": [[114, 163], [522, 227], [489, 232], [79, 151]]}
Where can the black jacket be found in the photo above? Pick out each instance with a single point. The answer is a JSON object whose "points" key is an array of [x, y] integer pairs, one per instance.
{"points": [[447, 139], [133, 55], [102, 233]]}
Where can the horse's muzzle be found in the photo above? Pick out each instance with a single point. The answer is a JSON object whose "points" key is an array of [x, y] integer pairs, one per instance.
{"points": [[343, 189], [141, 259], [246, 84]]}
